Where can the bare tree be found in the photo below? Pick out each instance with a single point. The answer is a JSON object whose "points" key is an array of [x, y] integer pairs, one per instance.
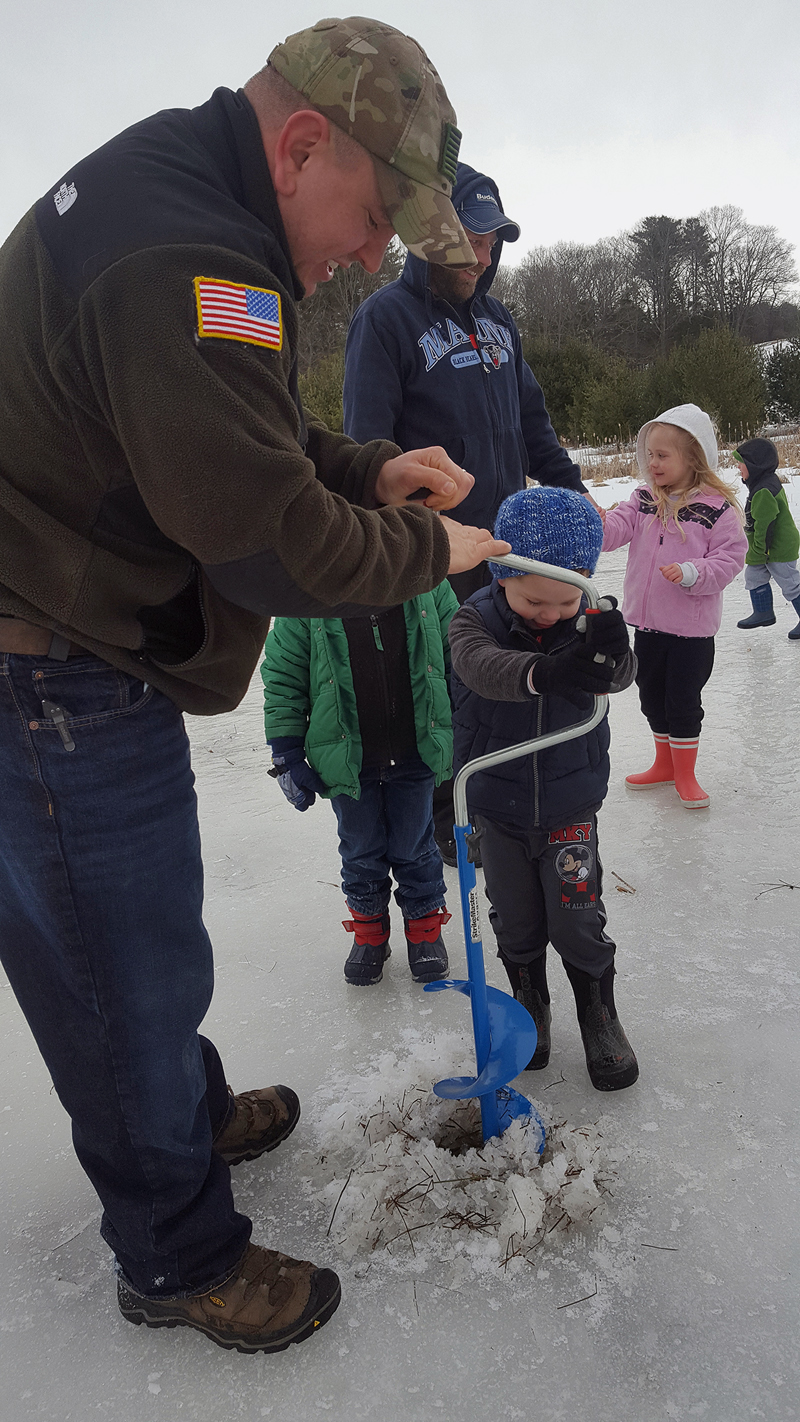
{"points": [[326, 316], [615, 312], [746, 265], [572, 291], [549, 291]]}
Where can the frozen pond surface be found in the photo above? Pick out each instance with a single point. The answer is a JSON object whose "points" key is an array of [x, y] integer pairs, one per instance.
{"points": [[692, 1272]]}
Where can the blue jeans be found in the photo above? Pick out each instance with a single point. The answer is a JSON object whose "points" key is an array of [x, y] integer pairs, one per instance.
{"points": [[102, 938], [390, 828]]}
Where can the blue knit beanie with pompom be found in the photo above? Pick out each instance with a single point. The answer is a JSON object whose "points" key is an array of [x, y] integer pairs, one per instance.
{"points": [[551, 525]]}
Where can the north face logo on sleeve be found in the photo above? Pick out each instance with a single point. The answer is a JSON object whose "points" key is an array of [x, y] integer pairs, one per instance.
{"points": [[65, 197]]}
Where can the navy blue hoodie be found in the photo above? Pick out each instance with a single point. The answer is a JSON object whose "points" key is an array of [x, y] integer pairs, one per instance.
{"points": [[412, 376]]}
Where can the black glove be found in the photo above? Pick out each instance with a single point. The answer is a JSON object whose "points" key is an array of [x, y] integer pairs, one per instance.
{"points": [[299, 783], [606, 630], [571, 672]]}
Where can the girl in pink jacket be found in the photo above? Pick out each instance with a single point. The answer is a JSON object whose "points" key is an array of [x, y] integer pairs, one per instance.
{"points": [[686, 544]]}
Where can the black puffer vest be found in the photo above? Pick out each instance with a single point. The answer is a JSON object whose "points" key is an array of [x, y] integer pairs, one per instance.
{"points": [[541, 791]]}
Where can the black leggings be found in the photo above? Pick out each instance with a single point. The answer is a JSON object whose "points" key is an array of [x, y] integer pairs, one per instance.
{"points": [[672, 672]]}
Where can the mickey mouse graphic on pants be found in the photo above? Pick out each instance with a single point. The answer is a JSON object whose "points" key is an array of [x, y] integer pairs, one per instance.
{"points": [[574, 866]]}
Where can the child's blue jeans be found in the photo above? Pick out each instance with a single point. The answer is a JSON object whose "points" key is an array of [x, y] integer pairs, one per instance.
{"points": [[390, 828]]}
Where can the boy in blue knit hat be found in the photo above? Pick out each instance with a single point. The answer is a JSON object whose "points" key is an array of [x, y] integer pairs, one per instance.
{"points": [[522, 668]]}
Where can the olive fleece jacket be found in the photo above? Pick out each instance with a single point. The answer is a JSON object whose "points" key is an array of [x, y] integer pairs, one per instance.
{"points": [[161, 492]]}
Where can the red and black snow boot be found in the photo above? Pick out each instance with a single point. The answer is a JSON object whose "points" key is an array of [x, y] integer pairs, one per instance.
{"points": [[427, 955], [364, 965]]}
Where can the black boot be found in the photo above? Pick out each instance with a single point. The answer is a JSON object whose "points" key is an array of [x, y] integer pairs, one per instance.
{"points": [[763, 614], [529, 986], [794, 635], [427, 955], [610, 1059], [364, 964]]}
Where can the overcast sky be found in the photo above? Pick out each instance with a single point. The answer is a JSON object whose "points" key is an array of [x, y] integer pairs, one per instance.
{"points": [[590, 115]]}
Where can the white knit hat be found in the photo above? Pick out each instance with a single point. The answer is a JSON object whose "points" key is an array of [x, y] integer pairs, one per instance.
{"points": [[686, 417]]}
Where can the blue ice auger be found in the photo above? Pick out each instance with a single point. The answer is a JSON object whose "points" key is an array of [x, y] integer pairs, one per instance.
{"points": [[505, 1035]]}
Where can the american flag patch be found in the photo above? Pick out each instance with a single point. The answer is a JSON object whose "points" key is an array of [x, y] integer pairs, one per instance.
{"points": [[238, 313]]}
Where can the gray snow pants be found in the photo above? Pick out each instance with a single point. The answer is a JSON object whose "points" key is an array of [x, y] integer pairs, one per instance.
{"points": [[545, 886], [785, 575]]}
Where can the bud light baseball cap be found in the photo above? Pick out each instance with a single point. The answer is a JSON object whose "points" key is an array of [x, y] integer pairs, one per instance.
{"points": [[379, 86], [478, 206]]}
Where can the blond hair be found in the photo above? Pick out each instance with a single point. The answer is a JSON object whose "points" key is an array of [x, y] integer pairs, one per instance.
{"points": [[702, 478]]}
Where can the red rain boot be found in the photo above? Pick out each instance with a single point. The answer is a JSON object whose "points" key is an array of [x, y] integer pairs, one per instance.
{"points": [[661, 771], [684, 755]]}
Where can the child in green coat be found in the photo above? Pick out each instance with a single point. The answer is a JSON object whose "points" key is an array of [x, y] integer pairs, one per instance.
{"points": [[358, 711], [773, 540]]}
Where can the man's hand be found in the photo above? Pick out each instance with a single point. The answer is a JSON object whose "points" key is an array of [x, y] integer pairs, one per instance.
{"points": [[431, 469], [673, 572], [469, 546]]}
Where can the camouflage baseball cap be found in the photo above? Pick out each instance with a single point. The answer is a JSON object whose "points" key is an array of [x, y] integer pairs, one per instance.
{"points": [[379, 86]]}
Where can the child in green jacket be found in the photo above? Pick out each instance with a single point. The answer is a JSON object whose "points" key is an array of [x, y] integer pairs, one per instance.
{"points": [[773, 540], [358, 711]]}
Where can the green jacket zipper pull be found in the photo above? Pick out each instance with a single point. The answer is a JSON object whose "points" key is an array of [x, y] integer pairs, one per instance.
{"points": [[58, 715]]}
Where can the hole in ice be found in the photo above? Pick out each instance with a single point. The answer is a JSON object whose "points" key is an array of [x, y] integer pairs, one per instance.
{"points": [[400, 1172]]}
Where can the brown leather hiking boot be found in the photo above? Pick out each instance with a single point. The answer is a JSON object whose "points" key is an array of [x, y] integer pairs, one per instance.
{"points": [[260, 1121], [268, 1302]]}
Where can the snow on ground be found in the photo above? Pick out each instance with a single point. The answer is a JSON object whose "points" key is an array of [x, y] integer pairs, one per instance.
{"points": [[678, 1299]]}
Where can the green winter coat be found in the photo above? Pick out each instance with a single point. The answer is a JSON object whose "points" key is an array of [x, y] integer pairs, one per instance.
{"points": [[308, 689], [772, 535]]}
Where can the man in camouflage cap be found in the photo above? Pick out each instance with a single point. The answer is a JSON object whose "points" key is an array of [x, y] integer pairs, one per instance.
{"points": [[161, 494], [379, 87]]}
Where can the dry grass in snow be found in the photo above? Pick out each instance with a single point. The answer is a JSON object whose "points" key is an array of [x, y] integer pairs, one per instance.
{"points": [[403, 1172]]}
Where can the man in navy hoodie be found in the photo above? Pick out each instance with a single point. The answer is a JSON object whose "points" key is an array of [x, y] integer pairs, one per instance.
{"points": [[434, 359]]}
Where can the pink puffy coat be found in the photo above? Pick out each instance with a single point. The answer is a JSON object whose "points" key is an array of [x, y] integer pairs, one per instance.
{"points": [[714, 544]]}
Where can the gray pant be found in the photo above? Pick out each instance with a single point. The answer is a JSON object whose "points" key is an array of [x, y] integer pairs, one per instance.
{"points": [[785, 575], [545, 886]]}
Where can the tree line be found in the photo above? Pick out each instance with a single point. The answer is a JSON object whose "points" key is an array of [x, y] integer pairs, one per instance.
{"points": [[676, 309]]}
